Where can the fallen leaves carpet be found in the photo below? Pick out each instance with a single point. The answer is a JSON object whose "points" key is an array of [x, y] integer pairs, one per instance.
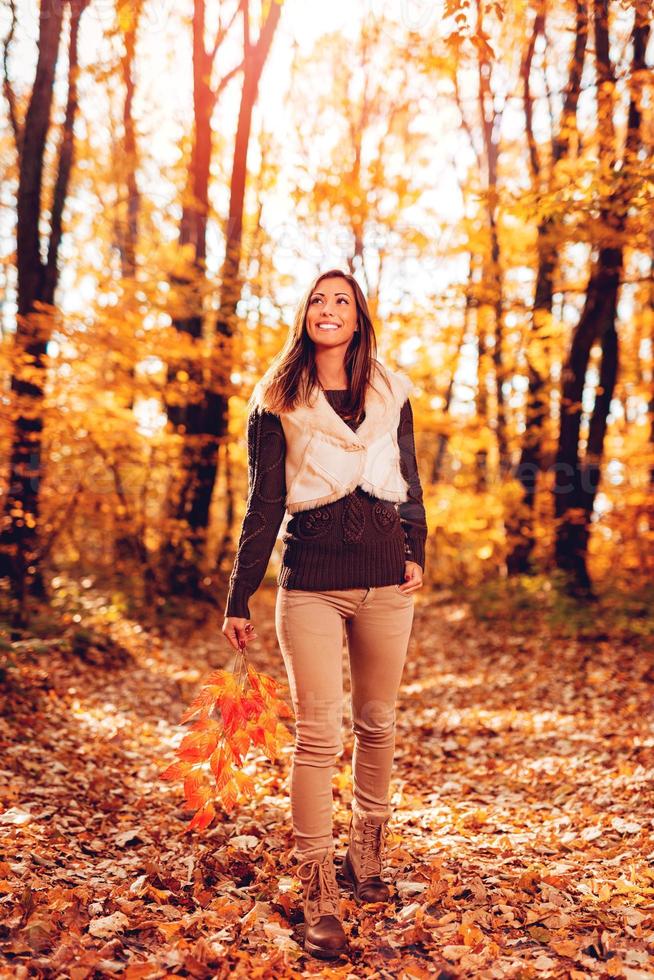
{"points": [[521, 843]]}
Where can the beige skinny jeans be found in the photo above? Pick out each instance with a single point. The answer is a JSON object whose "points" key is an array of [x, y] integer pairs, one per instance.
{"points": [[309, 627]]}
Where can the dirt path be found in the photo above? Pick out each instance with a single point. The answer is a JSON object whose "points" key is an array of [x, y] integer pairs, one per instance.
{"points": [[522, 839]]}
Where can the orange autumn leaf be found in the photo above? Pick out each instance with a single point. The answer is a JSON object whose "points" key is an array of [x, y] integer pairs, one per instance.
{"points": [[268, 722], [282, 734], [231, 711], [225, 777], [244, 782], [219, 759], [229, 795], [202, 702], [270, 746], [253, 677], [268, 683], [176, 770], [253, 705], [221, 680], [239, 743], [198, 745], [258, 735], [218, 683], [196, 789], [283, 709], [203, 817]]}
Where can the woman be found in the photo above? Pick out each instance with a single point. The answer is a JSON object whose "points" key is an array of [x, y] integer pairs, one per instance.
{"points": [[330, 441]]}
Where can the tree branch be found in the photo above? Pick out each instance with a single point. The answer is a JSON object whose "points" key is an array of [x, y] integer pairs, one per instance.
{"points": [[10, 95]]}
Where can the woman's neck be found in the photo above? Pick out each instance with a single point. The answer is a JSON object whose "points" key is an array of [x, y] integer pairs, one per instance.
{"points": [[330, 371]]}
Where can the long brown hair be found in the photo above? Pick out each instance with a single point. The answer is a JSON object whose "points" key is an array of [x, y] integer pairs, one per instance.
{"points": [[292, 374]]}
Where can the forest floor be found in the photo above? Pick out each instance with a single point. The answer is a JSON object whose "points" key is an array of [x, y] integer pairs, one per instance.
{"points": [[521, 843]]}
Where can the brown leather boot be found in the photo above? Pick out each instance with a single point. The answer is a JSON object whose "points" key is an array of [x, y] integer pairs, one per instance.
{"points": [[324, 936], [364, 858]]}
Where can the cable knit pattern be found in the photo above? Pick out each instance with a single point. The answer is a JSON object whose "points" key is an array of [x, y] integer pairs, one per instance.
{"points": [[353, 518], [357, 541]]}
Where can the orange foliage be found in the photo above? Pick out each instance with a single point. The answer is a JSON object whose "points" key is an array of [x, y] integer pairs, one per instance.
{"points": [[247, 710]]}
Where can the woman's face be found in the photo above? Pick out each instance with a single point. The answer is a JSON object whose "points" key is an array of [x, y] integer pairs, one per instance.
{"points": [[332, 313]]}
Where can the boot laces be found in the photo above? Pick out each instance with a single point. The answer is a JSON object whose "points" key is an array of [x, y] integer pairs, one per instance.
{"points": [[319, 877], [373, 849]]}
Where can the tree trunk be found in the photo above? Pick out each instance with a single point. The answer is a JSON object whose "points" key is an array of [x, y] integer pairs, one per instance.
{"points": [[37, 281], [205, 421], [572, 492], [493, 278], [576, 481], [441, 442], [127, 542], [651, 401], [481, 455], [520, 523], [127, 224]]}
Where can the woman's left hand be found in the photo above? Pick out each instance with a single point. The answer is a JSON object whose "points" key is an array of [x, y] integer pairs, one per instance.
{"points": [[412, 577]]}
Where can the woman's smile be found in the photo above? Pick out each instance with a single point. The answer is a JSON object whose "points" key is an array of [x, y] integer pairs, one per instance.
{"points": [[332, 310]]}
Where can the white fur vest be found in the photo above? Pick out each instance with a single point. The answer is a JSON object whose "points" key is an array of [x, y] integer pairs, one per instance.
{"points": [[326, 460]]}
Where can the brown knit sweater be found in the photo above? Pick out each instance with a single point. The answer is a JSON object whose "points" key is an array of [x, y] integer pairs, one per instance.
{"points": [[355, 542]]}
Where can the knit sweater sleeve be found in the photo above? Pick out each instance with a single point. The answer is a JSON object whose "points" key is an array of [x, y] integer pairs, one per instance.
{"points": [[264, 510], [412, 511]]}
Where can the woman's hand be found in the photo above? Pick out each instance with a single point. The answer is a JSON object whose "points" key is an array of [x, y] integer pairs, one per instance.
{"points": [[412, 577], [238, 630]]}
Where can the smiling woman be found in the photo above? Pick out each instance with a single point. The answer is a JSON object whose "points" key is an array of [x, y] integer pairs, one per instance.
{"points": [[330, 442]]}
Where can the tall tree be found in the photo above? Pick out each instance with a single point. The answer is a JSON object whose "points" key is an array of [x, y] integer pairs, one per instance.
{"points": [[577, 477], [549, 234], [490, 120], [127, 224], [490, 293], [37, 283], [202, 419]]}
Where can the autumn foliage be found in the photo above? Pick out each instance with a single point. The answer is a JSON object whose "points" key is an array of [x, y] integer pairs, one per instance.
{"points": [[506, 257], [234, 711]]}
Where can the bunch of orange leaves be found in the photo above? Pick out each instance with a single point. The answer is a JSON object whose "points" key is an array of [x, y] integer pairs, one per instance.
{"points": [[234, 711]]}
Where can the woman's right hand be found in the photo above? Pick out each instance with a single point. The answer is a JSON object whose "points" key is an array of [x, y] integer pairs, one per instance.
{"points": [[238, 630]]}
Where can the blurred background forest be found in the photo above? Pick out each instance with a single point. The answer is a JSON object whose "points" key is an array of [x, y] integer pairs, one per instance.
{"points": [[173, 175]]}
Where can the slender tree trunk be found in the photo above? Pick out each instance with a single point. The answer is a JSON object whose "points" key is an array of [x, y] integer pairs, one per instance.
{"points": [[441, 442], [499, 365], [520, 524], [650, 508], [127, 224], [481, 456], [184, 414], [651, 401], [591, 469], [128, 542], [493, 278], [226, 546]]}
